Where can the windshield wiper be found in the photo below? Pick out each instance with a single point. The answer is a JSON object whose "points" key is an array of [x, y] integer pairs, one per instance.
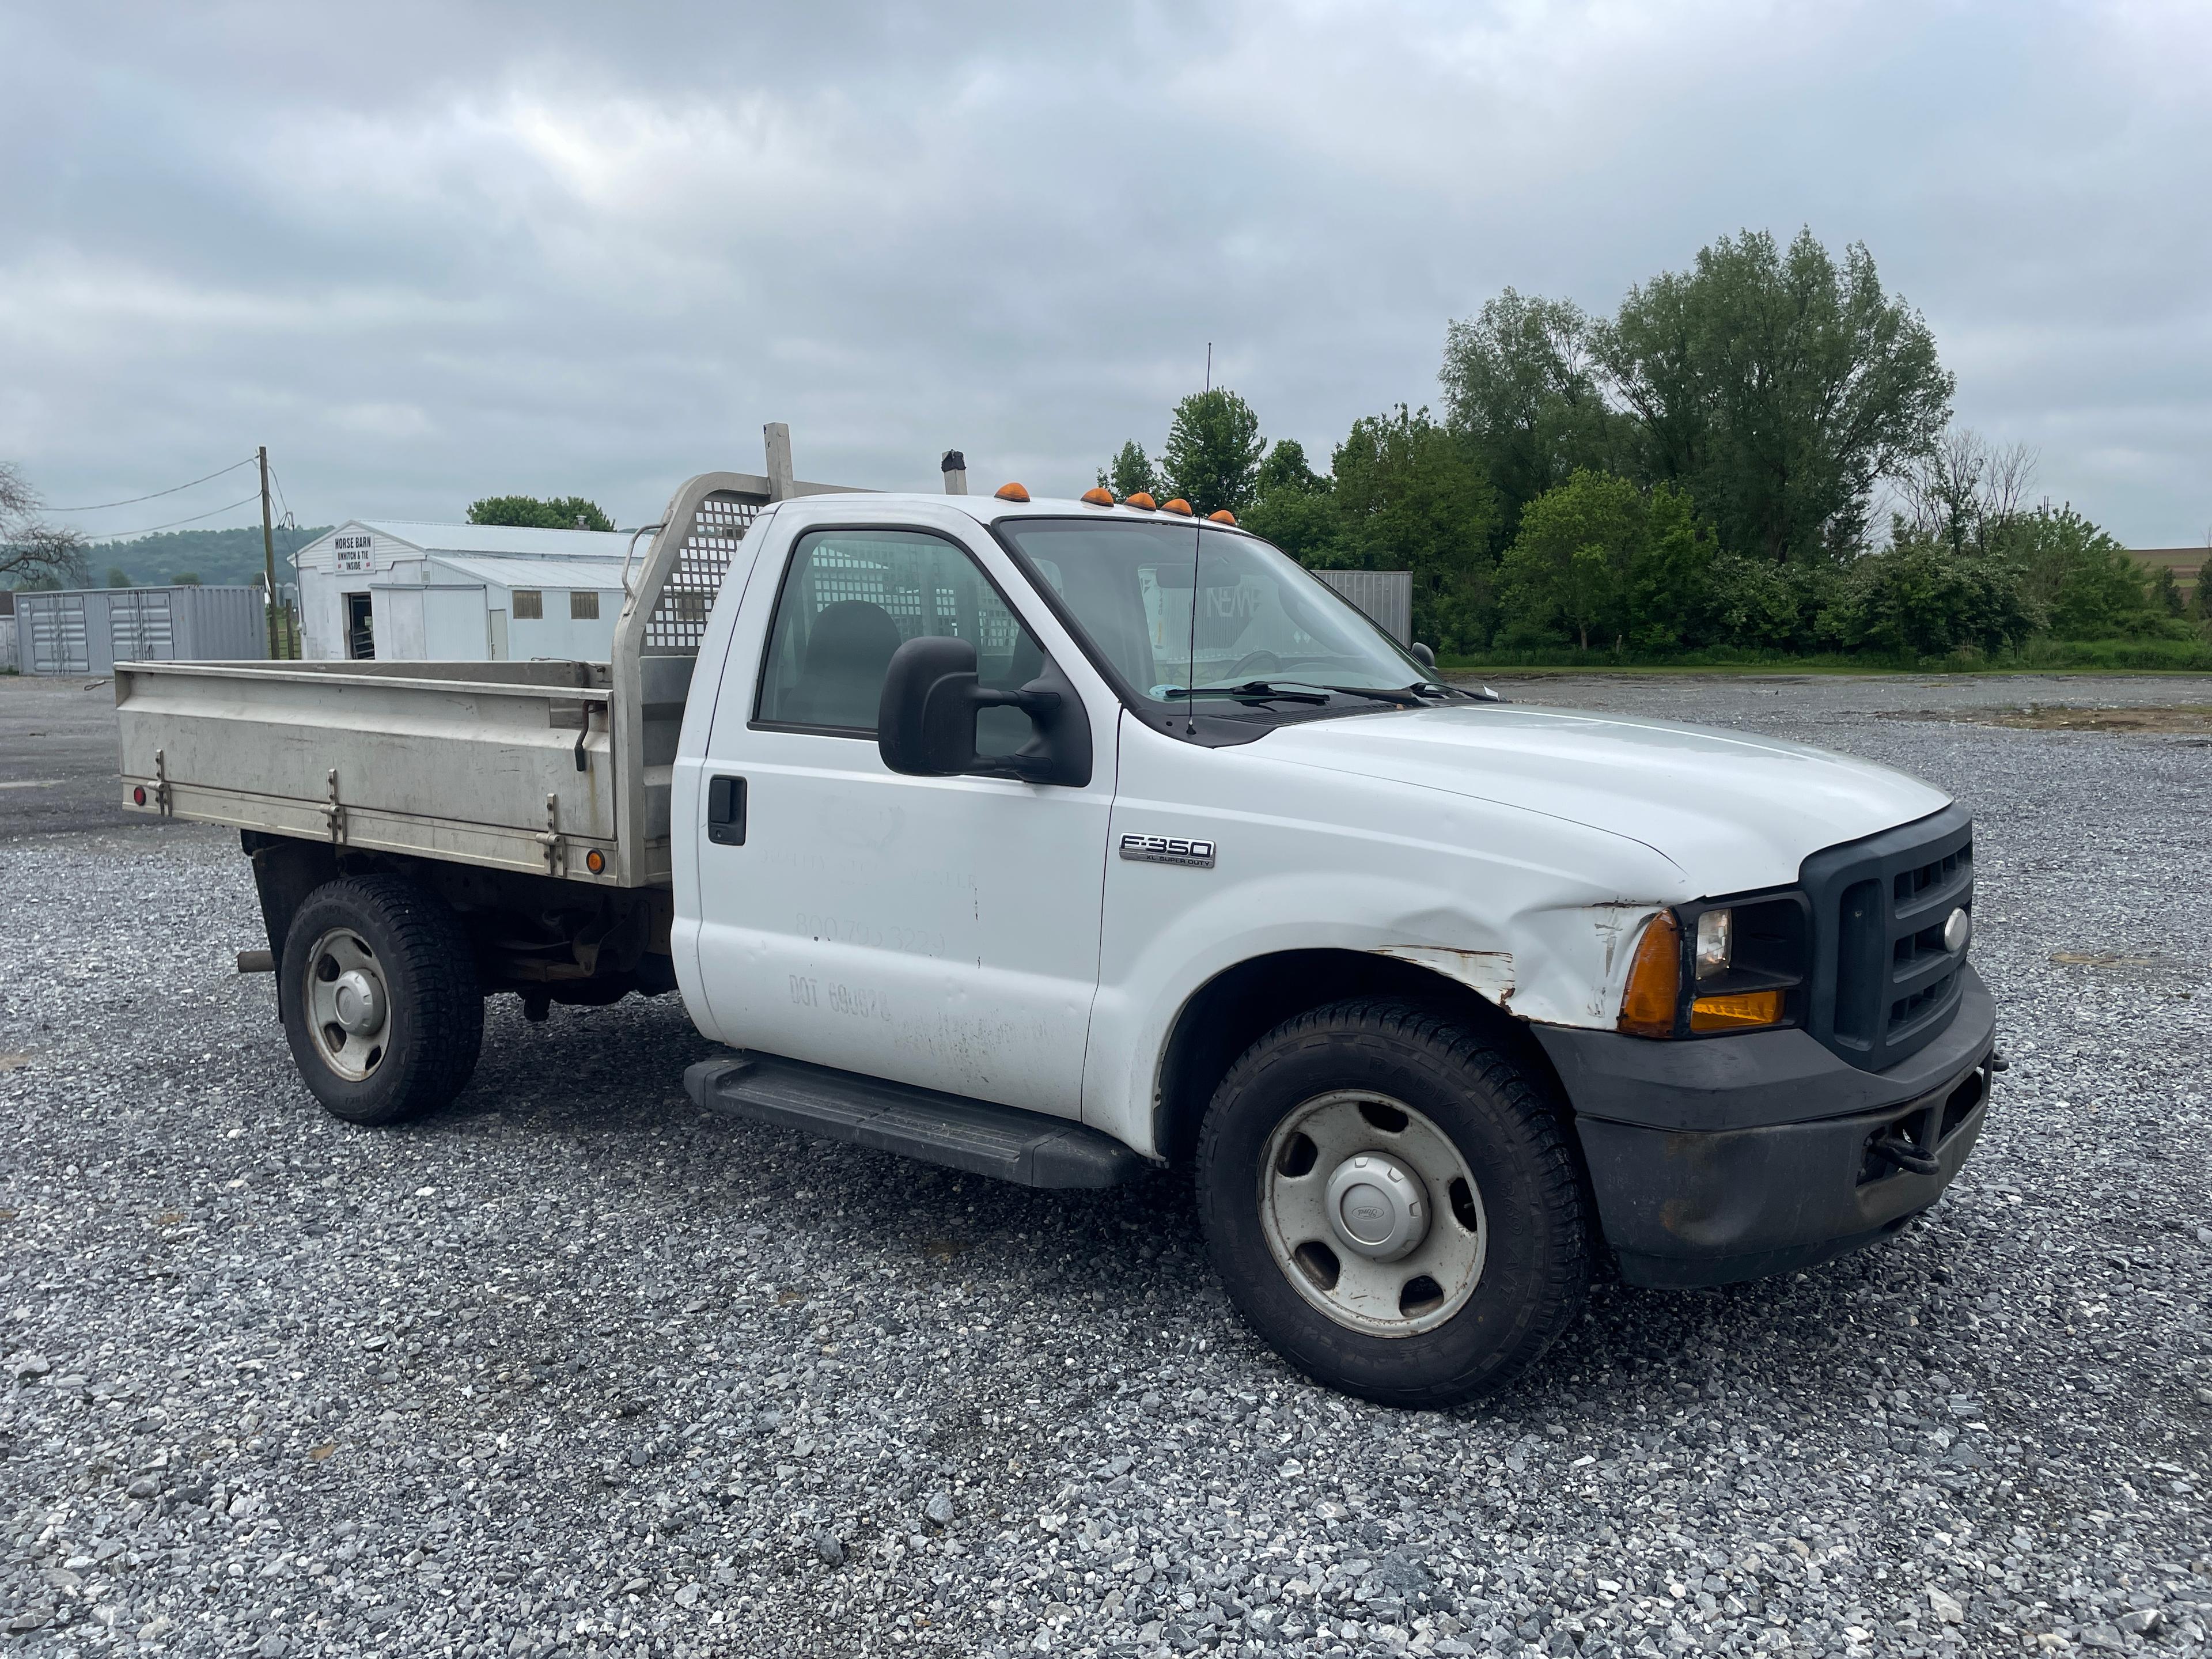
{"points": [[1251, 691], [1420, 688], [1270, 690]]}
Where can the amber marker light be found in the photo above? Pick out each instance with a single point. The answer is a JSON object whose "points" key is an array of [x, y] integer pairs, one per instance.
{"points": [[1101, 496], [1011, 492], [595, 862], [1138, 499], [1224, 516], [1655, 981], [1176, 504], [1737, 1014]]}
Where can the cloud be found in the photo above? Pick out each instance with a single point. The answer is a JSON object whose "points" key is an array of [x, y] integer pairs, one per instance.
{"points": [[429, 253]]}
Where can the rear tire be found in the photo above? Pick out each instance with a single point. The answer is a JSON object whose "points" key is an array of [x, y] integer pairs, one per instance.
{"points": [[380, 1001], [1393, 1205]]}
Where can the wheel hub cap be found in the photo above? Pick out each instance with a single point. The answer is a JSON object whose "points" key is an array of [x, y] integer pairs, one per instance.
{"points": [[359, 1002], [1371, 1212], [1375, 1207]]}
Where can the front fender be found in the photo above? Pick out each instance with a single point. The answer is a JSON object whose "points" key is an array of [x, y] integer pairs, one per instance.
{"points": [[1537, 916]]}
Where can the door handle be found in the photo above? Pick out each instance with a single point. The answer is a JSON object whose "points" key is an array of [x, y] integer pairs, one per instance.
{"points": [[726, 810]]}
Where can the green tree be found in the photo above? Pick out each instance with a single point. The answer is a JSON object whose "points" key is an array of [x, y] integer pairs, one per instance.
{"points": [[1212, 458], [1569, 569], [1670, 599], [1294, 507], [1598, 558], [1779, 387], [2088, 585], [185, 579], [1131, 471], [2200, 601], [1521, 383], [533, 513], [118, 578], [1284, 468], [1410, 495], [2165, 594]]}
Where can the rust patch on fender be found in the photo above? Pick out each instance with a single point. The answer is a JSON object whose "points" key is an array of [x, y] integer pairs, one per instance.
{"points": [[1488, 974]]}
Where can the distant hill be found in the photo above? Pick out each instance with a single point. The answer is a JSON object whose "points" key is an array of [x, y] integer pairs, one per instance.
{"points": [[221, 557]]}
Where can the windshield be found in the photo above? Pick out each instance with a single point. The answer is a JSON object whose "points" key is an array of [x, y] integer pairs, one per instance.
{"points": [[1262, 619]]}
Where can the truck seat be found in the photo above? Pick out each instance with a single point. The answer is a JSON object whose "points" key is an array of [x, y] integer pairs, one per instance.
{"points": [[841, 681]]}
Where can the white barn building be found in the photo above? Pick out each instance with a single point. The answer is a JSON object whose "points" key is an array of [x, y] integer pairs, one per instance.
{"points": [[407, 591]]}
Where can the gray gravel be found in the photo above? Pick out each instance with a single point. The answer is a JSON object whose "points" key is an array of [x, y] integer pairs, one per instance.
{"points": [[572, 1368]]}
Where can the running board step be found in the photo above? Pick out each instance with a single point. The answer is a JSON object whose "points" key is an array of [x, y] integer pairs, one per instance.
{"points": [[1003, 1142]]}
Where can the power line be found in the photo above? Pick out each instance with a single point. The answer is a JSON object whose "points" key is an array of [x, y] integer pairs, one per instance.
{"points": [[129, 535], [103, 506], [279, 483]]}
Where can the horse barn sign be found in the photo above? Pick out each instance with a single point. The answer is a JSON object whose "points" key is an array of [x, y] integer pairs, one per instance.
{"points": [[350, 554]]}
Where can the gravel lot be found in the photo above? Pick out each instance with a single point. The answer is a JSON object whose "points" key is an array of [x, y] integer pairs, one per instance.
{"points": [[575, 1369]]}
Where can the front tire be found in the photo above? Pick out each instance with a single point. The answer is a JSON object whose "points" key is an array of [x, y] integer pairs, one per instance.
{"points": [[380, 1000], [1393, 1205]]}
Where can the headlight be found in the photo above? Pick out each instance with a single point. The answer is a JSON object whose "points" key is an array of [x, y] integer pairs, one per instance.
{"points": [[1713, 954], [1719, 965]]}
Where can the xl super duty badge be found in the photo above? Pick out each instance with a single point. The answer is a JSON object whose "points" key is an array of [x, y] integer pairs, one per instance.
{"points": [[1168, 849]]}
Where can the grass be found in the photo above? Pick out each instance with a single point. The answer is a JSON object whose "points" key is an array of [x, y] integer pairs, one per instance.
{"points": [[2037, 656]]}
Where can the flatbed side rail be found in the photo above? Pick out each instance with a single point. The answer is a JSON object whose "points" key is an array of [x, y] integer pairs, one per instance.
{"points": [[434, 760]]}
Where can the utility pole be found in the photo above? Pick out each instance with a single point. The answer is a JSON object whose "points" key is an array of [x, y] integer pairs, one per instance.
{"points": [[267, 547], [1209, 365]]}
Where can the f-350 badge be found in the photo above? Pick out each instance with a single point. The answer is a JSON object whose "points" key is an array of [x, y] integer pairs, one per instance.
{"points": [[1168, 849]]}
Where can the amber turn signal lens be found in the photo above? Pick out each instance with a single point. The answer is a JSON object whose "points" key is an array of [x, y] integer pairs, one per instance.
{"points": [[595, 861], [1224, 516], [1139, 498], [1176, 504], [1101, 496], [1737, 1014], [1655, 980], [1011, 492]]}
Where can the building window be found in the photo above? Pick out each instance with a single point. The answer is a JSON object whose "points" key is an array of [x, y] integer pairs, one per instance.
{"points": [[583, 607], [529, 605]]}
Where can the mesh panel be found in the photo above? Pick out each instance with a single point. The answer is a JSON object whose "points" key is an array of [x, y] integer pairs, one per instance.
{"points": [[840, 572], [679, 621]]}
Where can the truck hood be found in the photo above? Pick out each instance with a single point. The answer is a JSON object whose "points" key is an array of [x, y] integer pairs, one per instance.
{"points": [[1733, 811]]}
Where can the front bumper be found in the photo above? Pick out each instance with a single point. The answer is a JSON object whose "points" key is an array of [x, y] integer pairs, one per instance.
{"points": [[1743, 1155]]}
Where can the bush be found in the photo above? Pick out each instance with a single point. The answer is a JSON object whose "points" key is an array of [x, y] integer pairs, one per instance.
{"points": [[1921, 599]]}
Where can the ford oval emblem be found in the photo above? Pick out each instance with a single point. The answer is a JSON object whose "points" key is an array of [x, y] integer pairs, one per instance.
{"points": [[1958, 928]]}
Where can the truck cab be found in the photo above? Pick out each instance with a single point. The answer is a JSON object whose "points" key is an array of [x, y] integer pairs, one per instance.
{"points": [[1062, 841]]}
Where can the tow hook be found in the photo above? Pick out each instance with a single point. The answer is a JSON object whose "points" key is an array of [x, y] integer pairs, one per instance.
{"points": [[1904, 1154], [1998, 1062]]}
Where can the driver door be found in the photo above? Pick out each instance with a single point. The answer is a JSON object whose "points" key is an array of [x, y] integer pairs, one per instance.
{"points": [[941, 931]]}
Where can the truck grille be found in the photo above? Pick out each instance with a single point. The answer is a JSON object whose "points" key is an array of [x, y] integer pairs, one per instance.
{"points": [[1883, 986]]}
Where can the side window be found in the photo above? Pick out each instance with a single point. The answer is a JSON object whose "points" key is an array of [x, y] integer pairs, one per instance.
{"points": [[851, 598]]}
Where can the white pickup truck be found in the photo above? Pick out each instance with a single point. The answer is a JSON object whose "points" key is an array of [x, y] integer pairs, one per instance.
{"points": [[1058, 840]]}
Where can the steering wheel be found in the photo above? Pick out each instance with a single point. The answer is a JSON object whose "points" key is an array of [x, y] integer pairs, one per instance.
{"points": [[1263, 662]]}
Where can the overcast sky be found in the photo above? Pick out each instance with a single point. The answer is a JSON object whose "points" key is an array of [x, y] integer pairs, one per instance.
{"points": [[427, 252]]}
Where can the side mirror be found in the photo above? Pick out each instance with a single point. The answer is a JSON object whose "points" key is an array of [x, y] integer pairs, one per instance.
{"points": [[1422, 654], [925, 721]]}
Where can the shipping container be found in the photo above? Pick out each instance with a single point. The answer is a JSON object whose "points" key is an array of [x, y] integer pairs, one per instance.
{"points": [[1385, 597], [88, 631]]}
